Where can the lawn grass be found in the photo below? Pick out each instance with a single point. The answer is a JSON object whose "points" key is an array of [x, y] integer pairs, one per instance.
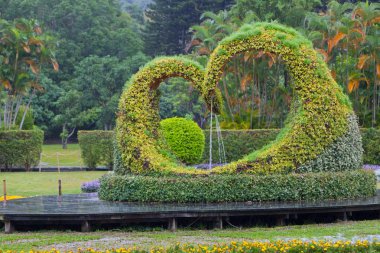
{"points": [[46, 183], [124, 238], [54, 155]]}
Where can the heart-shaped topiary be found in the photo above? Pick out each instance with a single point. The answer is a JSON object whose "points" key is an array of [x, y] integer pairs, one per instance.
{"points": [[320, 120]]}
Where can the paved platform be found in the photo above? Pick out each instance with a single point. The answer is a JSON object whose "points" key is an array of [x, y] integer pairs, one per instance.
{"points": [[86, 210]]}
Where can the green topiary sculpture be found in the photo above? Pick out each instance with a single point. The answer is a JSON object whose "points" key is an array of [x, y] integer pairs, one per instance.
{"points": [[185, 139], [321, 136], [320, 116]]}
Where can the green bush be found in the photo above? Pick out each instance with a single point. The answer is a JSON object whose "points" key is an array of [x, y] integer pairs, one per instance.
{"points": [[371, 145], [96, 147], [238, 143], [185, 139], [238, 187], [20, 148]]}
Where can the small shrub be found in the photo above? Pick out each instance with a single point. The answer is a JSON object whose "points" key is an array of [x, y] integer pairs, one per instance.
{"points": [[239, 187], [20, 148], [92, 186], [184, 138], [96, 147]]}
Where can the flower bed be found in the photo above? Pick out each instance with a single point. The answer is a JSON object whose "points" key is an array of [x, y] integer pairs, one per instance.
{"points": [[92, 186], [237, 247]]}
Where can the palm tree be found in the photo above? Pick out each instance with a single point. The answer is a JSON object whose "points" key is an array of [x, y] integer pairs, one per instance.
{"points": [[24, 49], [367, 19]]}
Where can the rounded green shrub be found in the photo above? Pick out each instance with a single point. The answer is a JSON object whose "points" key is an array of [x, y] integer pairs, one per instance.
{"points": [[185, 139]]}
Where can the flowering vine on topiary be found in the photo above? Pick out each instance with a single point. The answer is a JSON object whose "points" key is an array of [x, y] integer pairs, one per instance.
{"points": [[321, 113]]}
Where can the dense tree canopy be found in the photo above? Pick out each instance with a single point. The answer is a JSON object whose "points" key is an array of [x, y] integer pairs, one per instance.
{"points": [[94, 29], [24, 49], [168, 23], [99, 44]]}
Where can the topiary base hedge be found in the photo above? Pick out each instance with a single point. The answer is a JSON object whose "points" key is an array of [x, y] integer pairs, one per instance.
{"points": [[241, 187]]}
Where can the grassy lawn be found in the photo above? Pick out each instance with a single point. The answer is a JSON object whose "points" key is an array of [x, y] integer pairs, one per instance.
{"points": [[46, 183], [53, 154], [124, 238]]}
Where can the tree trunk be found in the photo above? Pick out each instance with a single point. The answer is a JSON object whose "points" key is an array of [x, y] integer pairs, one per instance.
{"points": [[27, 108], [66, 139], [18, 105], [254, 83], [227, 97], [1, 122], [374, 103]]}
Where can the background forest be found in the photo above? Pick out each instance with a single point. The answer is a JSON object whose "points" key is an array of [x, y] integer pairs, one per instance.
{"points": [[95, 46]]}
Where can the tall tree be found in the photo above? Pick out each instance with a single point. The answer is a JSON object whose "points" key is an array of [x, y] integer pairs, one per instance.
{"points": [[24, 49], [289, 12], [85, 28], [168, 23], [100, 81]]}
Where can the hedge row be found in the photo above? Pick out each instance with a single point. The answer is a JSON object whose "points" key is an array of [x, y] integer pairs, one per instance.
{"points": [[238, 187], [96, 147], [20, 148], [238, 143]]}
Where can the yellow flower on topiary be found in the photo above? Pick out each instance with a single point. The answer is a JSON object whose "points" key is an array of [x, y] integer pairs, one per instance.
{"points": [[321, 117]]}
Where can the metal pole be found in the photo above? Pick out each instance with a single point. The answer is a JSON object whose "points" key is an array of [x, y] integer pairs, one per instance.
{"points": [[59, 169], [59, 187], [39, 169], [80, 161], [5, 190], [210, 144]]}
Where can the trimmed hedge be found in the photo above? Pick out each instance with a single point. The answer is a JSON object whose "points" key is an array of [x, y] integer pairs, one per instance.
{"points": [[96, 147], [185, 139], [238, 187], [20, 148], [238, 143]]}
